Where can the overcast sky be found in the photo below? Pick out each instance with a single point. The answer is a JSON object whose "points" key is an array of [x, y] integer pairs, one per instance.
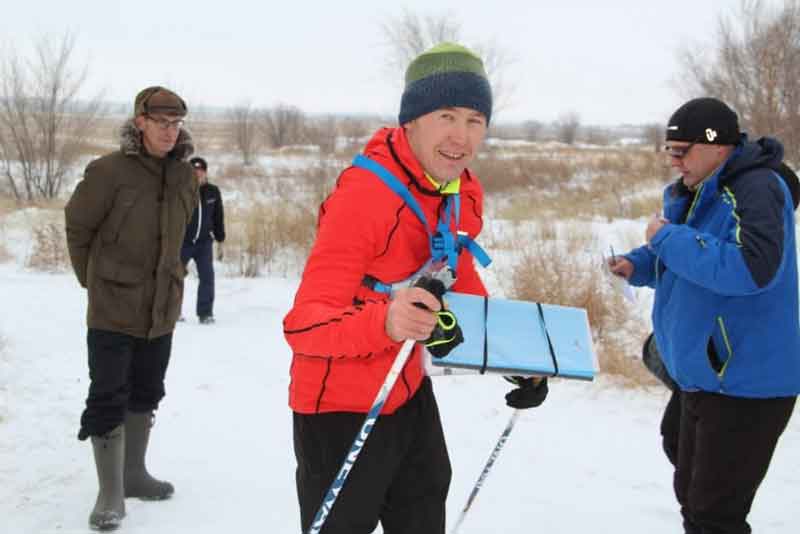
{"points": [[611, 61]]}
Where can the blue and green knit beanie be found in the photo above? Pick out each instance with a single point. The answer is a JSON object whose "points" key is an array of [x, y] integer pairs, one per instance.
{"points": [[447, 75]]}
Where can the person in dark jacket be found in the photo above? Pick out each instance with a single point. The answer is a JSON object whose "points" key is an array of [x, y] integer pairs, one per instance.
{"points": [[722, 260], [125, 223], [206, 226]]}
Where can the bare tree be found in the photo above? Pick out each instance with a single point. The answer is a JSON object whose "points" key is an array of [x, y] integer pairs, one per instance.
{"points": [[654, 135], [282, 125], [242, 119], [532, 129], [567, 126], [597, 135], [409, 34], [353, 129], [43, 123], [754, 66], [323, 133]]}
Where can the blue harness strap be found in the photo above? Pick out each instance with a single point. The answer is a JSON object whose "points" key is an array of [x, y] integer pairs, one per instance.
{"points": [[475, 249], [443, 244]]}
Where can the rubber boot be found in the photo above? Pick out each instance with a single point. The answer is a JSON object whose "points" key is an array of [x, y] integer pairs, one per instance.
{"points": [[109, 454], [138, 482]]}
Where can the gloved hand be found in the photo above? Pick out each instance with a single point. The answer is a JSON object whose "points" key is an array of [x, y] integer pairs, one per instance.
{"points": [[220, 251], [446, 334], [530, 391]]}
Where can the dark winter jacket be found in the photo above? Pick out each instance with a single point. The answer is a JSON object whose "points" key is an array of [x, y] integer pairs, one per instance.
{"points": [[726, 302], [125, 223], [336, 328], [208, 218]]}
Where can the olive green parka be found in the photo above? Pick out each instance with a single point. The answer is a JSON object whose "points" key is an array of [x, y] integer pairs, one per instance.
{"points": [[125, 223]]}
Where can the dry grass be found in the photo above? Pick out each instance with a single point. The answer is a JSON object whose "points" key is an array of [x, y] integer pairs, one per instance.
{"points": [[269, 237], [507, 172], [5, 254], [49, 252], [4, 363], [275, 236], [46, 212], [554, 268], [7, 206], [573, 183]]}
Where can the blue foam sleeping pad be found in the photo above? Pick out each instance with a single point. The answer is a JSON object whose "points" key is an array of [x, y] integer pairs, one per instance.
{"points": [[517, 343]]}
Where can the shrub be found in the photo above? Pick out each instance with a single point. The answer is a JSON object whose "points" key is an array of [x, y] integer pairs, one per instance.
{"points": [[558, 270], [49, 248], [269, 237], [5, 255]]}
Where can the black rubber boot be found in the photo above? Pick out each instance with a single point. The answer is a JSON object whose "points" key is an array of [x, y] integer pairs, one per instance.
{"points": [[109, 453], [138, 482]]}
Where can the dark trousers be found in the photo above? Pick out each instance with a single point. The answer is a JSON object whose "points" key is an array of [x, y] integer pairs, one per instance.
{"points": [[202, 253], [127, 374], [670, 427], [724, 447], [401, 478]]}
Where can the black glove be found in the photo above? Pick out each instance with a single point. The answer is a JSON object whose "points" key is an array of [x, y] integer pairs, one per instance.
{"points": [[527, 394], [446, 334]]}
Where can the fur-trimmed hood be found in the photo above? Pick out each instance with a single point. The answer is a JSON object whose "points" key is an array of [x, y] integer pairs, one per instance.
{"points": [[131, 142]]}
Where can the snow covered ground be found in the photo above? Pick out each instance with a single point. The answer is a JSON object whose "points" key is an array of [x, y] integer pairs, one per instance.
{"points": [[588, 460]]}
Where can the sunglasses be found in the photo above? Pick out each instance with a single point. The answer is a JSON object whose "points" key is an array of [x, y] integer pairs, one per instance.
{"points": [[678, 152]]}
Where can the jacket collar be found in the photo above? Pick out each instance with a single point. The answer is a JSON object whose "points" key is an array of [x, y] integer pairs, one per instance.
{"points": [[131, 142], [391, 144]]}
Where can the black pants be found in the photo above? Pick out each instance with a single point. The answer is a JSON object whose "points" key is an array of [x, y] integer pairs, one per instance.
{"points": [[127, 374], [670, 427], [401, 478], [724, 447], [202, 253]]}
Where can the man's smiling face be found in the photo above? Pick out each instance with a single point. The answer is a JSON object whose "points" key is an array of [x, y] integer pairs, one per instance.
{"points": [[445, 141]]}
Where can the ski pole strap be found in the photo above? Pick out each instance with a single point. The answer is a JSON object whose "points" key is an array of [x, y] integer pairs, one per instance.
{"points": [[446, 332], [549, 342], [485, 334], [446, 320]]}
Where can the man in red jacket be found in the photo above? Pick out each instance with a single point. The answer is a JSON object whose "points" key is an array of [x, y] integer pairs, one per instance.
{"points": [[345, 329]]}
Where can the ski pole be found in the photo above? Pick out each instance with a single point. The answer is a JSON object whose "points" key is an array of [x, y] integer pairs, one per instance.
{"points": [[361, 437], [492, 457]]}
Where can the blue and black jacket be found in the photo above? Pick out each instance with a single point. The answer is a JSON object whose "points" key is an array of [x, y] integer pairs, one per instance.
{"points": [[208, 219], [724, 271]]}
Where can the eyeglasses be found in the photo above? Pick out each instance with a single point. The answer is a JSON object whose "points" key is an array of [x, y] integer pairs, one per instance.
{"points": [[678, 152], [166, 124]]}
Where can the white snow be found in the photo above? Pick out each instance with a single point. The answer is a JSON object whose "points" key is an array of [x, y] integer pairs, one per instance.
{"points": [[588, 460]]}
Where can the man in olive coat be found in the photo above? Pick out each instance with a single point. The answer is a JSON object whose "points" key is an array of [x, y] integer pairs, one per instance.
{"points": [[125, 224]]}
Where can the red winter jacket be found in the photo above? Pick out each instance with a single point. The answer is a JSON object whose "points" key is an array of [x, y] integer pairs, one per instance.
{"points": [[336, 328]]}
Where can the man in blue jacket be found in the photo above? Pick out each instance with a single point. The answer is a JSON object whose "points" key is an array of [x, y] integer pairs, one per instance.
{"points": [[206, 226], [722, 260]]}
